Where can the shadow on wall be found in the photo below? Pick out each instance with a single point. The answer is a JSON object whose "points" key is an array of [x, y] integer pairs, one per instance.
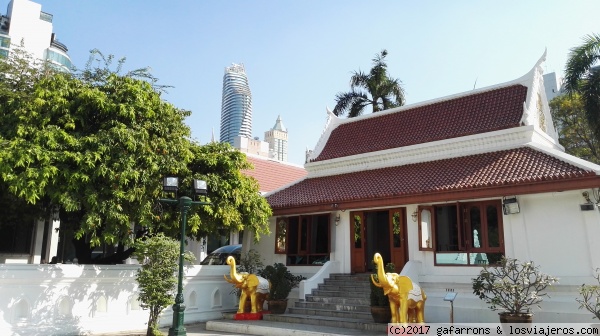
{"points": [[82, 299], [58, 299]]}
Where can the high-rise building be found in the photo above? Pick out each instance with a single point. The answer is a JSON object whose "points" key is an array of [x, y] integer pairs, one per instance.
{"points": [[251, 146], [553, 85], [25, 23], [236, 106], [277, 137]]}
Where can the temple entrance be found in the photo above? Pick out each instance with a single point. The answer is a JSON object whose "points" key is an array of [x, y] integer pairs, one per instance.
{"points": [[379, 231]]}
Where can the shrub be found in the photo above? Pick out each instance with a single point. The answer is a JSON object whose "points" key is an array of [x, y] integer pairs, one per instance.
{"points": [[157, 276], [281, 279], [512, 285], [591, 297]]}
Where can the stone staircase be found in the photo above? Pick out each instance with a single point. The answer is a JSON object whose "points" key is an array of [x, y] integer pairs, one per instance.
{"points": [[342, 301]]}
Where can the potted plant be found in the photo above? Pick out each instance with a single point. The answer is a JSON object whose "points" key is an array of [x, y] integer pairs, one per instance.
{"points": [[282, 281], [380, 305], [514, 287], [591, 297]]}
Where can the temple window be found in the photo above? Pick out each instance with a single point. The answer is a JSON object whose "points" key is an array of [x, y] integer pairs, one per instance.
{"points": [[462, 233], [304, 239]]}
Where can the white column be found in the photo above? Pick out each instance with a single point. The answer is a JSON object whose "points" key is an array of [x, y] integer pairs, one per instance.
{"points": [[198, 249], [340, 240], [234, 238], [52, 238], [38, 241]]}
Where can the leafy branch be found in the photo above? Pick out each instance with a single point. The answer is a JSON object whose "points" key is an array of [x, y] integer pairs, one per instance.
{"points": [[591, 296]]}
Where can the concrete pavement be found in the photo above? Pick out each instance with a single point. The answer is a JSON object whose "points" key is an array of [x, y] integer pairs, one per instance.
{"points": [[196, 329], [262, 328]]}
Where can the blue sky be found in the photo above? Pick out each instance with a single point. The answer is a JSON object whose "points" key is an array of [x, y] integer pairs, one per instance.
{"points": [[299, 54]]}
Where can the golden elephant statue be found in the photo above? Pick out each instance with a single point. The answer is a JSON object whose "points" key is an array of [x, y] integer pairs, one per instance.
{"points": [[407, 299], [252, 286]]}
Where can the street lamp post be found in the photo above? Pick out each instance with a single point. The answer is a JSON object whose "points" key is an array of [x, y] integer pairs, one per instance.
{"points": [[171, 184]]}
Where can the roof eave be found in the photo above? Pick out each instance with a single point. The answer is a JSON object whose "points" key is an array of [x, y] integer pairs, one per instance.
{"points": [[585, 182]]}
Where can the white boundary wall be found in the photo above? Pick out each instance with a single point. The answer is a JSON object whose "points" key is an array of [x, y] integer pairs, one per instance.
{"points": [[92, 299]]}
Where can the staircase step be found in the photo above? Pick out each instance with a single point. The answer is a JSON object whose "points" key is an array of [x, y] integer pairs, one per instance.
{"points": [[361, 315], [357, 277], [338, 300], [347, 282], [333, 306], [358, 288], [272, 328], [327, 321], [338, 293]]}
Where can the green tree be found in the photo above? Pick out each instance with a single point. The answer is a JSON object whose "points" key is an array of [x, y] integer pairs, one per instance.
{"points": [[98, 144], [376, 88], [583, 76], [575, 134], [97, 150], [156, 277], [236, 201]]}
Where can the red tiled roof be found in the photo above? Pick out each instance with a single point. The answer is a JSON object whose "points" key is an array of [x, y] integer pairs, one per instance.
{"points": [[477, 113], [272, 175], [502, 168]]}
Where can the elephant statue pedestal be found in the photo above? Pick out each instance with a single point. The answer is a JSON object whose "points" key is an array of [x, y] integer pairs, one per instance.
{"points": [[249, 316], [253, 288]]}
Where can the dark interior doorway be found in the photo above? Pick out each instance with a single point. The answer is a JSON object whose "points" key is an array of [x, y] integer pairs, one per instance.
{"points": [[378, 236]]}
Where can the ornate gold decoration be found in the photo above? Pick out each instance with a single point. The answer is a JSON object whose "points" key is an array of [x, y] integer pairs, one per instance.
{"points": [[407, 299], [252, 287]]}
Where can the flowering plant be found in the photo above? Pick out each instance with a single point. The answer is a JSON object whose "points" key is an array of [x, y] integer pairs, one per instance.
{"points": [[591, 297], [512, 285]]}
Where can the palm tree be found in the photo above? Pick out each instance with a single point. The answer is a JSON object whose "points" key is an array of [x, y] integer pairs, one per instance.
{"points": [[385, 91], [583, 76]]}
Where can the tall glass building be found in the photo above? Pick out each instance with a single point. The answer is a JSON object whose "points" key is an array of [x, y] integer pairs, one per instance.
{"points": [[25, 22], [236, 106]]}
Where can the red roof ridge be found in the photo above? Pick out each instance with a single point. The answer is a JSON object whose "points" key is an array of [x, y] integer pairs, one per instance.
{"points": [[334, 122], [259, 157]]}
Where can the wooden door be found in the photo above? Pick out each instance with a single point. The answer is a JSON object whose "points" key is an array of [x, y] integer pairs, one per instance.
{"points": [[357, 242], [398, 241]]}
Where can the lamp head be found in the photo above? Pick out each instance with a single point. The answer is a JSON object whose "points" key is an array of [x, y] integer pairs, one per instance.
{"points": [[170, 184], [510, 205], [199, 187]]}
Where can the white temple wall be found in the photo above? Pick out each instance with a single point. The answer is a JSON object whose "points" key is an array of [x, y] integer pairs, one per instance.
{"points": [[88, 299]]}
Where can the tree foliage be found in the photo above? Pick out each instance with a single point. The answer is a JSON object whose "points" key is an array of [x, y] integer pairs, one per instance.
{"points": [[375, 88], [582, 75], [575, 134], [98, 143], [236, 203]]}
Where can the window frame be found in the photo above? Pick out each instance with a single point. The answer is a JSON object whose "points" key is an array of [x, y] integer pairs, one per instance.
{"points": [[420, 210], [281, 223], [306, 226], [464, 231]]}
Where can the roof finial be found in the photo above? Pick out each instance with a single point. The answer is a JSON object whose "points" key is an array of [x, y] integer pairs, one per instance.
{"points": [[279, 125]]}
